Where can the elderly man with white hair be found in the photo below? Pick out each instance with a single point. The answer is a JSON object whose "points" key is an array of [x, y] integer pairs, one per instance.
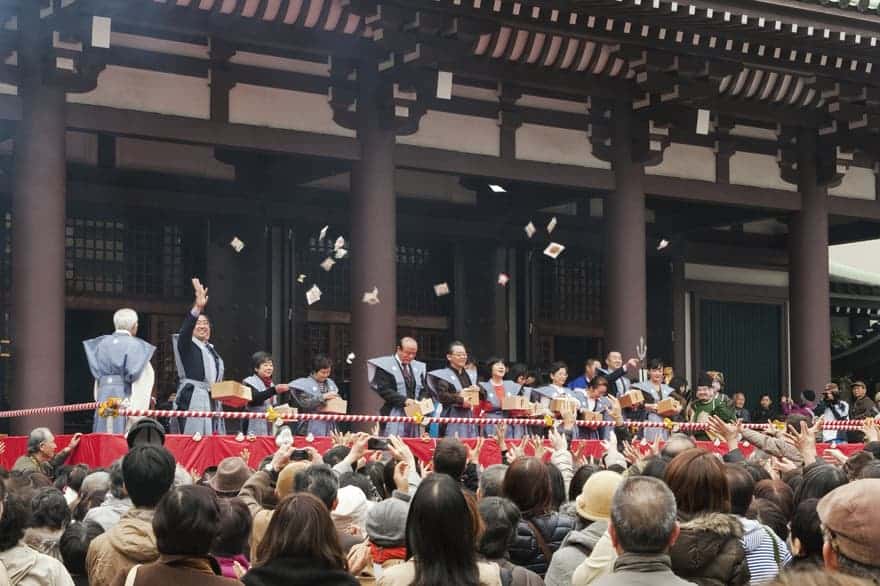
{"points": [[120, 363]]}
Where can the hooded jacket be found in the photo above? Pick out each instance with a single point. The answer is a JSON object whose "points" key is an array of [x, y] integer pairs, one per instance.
{"points": [[526, 551], [108, 514], [575, 548], [709, 551], [44, 540], [26, 567], [130, 542]]}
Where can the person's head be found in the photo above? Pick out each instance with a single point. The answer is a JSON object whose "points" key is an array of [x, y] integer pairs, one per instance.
{"points": [[13, 518], [75, 477], [262, 364], [314, 539], [614, 360], [335, 455], [322, 366], [643, 517], [807, 396], [766, 401], [676, 444], [778, 492], [232, 473], [286, 478], [598, 387], [145, 430], [704, 392], [440, 533], [456, 355], [873, 448], [49, 509], [500, 519], [806, 531], [117, 481], [496, 367], [450, 457], [579, 479], [655, 370], [148, 472], [41, 443], [819, 480], [318, 480], [871, 470], [594, 501], [202, 331], [74, 545], [557, 486], [527, 484], [739, 400], [855, 463], [851, 529], [407, 348], [679, 384], [186, 521], [655, 467], [859, 390], [386, 523], [126, 319], [742, 488], [830, 394], [491, 481], [591, 367], [558, 373], [769, 514], [520, 373], [233, 528], [696, 478], [794, 421], [374, 474]]}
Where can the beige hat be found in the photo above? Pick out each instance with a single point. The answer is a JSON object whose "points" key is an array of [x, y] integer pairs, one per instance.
{"points": [[232, 473], [594, 502], [852, 513]]}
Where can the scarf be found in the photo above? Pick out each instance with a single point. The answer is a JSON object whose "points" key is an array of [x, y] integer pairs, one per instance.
{"points": [[381, 555]]}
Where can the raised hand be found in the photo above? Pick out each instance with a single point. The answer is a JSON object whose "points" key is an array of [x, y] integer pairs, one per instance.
{"points": [[201, 294], [400, 451], [500, 436], [870, 429], [474, 453], [804, 440]]}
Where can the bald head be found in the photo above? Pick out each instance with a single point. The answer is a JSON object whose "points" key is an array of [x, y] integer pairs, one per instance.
{"points": [[407, 348]]}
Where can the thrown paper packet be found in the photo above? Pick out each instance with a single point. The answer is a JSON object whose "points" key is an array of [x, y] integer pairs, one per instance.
{"points": [[554, 249], [323, 233], [237, 244], [503, 279], [350, 358], [530, 229], [197, 437], [284, 437], [340, 253], [551, 225], [313, 295], [663, 244], [301, 278], [327, 264], [340, 243], [239, 437], [310, 438], [441, 289], [371, 297]]}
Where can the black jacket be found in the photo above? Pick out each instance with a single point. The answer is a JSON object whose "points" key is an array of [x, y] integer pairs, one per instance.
{"points": [[296, 572], [526, 551]]}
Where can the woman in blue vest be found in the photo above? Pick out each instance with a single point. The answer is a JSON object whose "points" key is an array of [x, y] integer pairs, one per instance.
{"points": [[496, 390], [263, 392], [311, 393], [557, 389]]}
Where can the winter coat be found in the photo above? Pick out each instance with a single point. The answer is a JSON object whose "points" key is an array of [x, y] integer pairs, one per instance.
{"points": [[709, 551], [404, 574], [526, 552], [27, 567], [110, 512], [513, 575], [296, 572], [600, 563], [179, 570], [575, 548], [44, 541], [130, 542], [642, 569]]}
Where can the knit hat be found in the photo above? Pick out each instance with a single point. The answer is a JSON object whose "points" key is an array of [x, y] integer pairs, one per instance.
{"points": [[594, 502], [232, 473], [386, 521], [852, 514], [351, 509]]}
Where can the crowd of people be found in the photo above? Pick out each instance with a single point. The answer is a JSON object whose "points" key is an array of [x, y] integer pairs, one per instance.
{"points": [[665, 513]]}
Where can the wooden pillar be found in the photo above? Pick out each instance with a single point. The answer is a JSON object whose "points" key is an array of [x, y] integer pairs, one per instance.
{"points": [[808, 288], [38, 217], [625, 264], [373, 239]]}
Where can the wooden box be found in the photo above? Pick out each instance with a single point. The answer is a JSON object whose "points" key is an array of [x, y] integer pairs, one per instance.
{"points": [[471, 395], [588, 415], [564, 405], [633, 397], [335, 405], [516, 403], [231, 393], [667, 407], [424, 407]]}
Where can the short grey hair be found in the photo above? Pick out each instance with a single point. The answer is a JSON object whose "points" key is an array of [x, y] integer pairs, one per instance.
{"points": [[125, 319], [37, 437], [643, 515], [676, 444], [491, 480]]}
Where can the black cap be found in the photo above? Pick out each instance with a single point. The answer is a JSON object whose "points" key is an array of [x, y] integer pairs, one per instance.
{"points": [[704, 380], [146, 431]]}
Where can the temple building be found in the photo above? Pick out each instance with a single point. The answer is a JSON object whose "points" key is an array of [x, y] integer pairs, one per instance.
{"points": [[695, 159]]}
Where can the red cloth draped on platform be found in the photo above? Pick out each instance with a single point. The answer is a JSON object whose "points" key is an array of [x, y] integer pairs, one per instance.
{"points": [[102, 449]]}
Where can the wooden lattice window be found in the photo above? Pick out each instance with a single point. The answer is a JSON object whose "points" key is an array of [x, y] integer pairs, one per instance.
{"points": [[570, 289], [162, 327], [432, 345], [95, 256], [332, 340], [418, 269]]}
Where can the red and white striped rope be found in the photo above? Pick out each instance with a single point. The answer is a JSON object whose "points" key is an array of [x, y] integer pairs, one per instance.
{"points": [[352, 418]]}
